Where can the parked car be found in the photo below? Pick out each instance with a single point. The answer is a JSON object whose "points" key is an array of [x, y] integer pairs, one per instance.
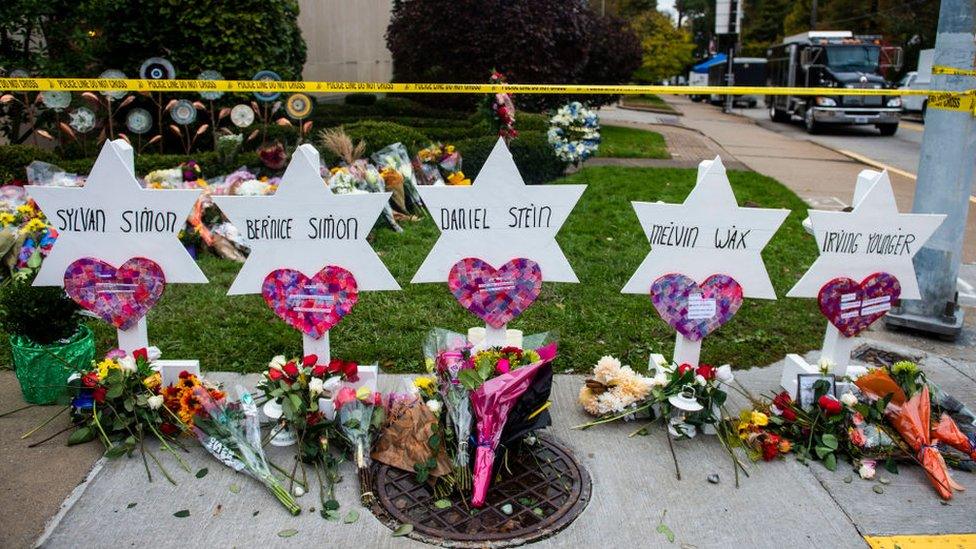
{"points": [[920, 79]]}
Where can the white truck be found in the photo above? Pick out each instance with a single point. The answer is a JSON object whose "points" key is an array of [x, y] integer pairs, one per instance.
{"points": [[920, 79]]}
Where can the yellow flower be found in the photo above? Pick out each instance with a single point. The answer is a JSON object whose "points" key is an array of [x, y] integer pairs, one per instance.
{"points": [[363, 393], [425, 155], [25, 210], [457, 178], [424, 383], [759, 419], [7, 219], [202, 183], [449, 149], [429, 363], [33, 226], [153, 382], [785, 446], [106, 365]]}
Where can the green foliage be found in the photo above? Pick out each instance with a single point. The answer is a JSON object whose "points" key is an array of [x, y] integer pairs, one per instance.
{"points": [[210, 162], [666, 50], [42, 314], [365, 99], [14, 158], [378, 134], [532, 152]]}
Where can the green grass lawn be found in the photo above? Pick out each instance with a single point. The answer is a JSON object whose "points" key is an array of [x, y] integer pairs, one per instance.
{"points": [[647, 100], [623, 142], [602, 240]]}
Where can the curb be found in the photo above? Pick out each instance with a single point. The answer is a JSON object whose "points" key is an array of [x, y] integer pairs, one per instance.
{"points": [[69, 502], [673, 112]]}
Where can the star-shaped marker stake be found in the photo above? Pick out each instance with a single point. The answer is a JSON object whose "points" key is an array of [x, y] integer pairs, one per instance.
{"points": [[872, 238], [304, 226], [497, 219], [708, 234], [114, 219]]}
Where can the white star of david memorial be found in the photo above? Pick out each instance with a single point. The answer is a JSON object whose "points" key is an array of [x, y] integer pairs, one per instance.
{"points": [[305, 227], [113, 218], [707, 234], [874, 237]]}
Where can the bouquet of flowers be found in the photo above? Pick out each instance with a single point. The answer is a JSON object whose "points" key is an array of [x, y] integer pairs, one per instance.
{"points": [[440, 165], [574, 132], [25, 236], [361, 414], [297, 387], [231, 432], [411, 437], [120, 402], [501, 110], [503, 390], [394, 161]]}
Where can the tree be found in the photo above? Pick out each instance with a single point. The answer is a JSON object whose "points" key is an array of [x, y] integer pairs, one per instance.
{"points": [[530, 41], [762, 25], [667, 50]]}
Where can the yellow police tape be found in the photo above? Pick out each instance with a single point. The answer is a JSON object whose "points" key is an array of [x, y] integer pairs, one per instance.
{"points": [[961, 101], [939, 69]]}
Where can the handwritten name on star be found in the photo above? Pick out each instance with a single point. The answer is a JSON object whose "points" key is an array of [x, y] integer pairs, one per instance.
{"points": [[96, 220], [315, 228], [517, 216], [675, 235], [869, 243]]}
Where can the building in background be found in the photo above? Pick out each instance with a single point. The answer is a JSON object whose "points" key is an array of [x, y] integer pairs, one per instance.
{"points": [[346, 41]]}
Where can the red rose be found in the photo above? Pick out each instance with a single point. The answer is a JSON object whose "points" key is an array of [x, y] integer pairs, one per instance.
{"points": [[90, 379], [99, 394], [684, 368], [377, 398], [310, 360], [275, 374], [313, 418], [351, 371], [320, 370], [789, 414], [168, 429], [830, 405], [141, 354], [706, 371], [782, 400], [770, 451], [291, 369], [335, 366]]}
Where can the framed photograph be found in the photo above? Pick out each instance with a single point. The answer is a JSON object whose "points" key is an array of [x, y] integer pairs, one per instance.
{"points": [[810, 387]]}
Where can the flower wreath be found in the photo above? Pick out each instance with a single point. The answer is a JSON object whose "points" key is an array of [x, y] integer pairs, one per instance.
{"points": [[574, 132]]}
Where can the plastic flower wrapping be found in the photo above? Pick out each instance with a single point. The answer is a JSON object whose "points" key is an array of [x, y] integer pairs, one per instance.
{"points": [[440, 164], [25, 236], [574, 132], [491, 397]]}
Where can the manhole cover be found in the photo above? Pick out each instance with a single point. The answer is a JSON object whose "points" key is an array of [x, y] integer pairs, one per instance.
{"points": [[543, 483], [880, 357]]}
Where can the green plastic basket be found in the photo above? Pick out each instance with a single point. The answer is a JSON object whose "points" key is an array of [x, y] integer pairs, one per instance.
{"points": [[43, 370]]}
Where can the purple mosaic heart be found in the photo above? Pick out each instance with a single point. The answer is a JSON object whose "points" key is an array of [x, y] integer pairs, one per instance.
{"points": [[311, 305], [852, 307], [119, 296], [495, 295], [696, 310]]}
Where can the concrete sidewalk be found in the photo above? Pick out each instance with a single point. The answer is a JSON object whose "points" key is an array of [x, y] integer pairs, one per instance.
{"points": [[782, 503]]}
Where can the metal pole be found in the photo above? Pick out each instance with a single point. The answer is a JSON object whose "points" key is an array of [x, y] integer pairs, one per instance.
{"points": [[945, 180], [729, 80], [813, 15]]}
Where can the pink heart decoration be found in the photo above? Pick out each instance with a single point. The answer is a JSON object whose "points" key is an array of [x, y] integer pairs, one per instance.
{"points": [[119, 296], [852, 307], [495, 295], [311, 305], [696, 310]]}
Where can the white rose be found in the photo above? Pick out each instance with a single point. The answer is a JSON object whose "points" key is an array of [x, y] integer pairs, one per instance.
{"points": [[277, 362], [127, 364], [315, 386], [848, 399], [155, 402], [700, 380], [434, 406], [866, 471], [826, 365], [724, 373], [660, 378], [153, 353]]}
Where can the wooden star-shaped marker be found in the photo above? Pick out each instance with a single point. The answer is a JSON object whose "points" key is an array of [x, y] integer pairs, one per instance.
{"points": [[707, 234], [113, 218], [497, 219], [304, 226], [872, 238]]}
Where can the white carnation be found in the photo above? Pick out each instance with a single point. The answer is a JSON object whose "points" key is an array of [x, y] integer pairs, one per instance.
{"points": [[434, 406], [155, 402]]}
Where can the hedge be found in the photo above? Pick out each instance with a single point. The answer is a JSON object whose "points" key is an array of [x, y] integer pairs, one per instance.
{"points": [[14, 158], [532, 152], [378, 134]]}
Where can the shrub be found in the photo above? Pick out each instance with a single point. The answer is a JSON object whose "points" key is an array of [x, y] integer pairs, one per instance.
{"points": [[365, 99], [42, 314], [531, 41], [209, 163], [14, 158], [532, 152]]}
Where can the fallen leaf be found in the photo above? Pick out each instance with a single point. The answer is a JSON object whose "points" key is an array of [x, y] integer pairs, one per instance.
{"points": [[202, 472], [130, 506], [878, 489], [182, 514], [663, 529], [351, 517], [403, 530], [442, 503], [235, 489], [218, 509], [287, 533]]}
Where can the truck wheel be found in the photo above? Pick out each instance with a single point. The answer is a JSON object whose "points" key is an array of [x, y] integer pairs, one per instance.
{"points": [[888, 129], [777, 115], [813, 127]]}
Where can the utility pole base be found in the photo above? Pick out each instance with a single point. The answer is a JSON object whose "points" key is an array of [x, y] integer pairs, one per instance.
{"points": [[945, 327]]}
